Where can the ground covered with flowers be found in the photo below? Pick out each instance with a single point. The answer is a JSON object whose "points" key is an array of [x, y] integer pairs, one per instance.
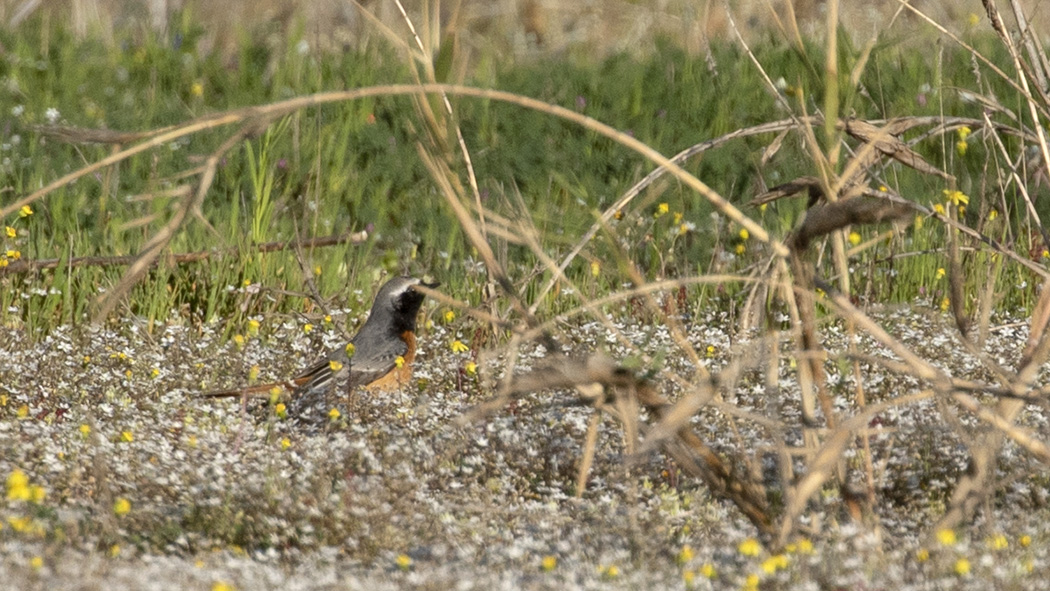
{"points": [[116, 476]]}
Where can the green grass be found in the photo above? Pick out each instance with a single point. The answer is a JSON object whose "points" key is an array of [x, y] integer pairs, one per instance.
{"points": [[354, 166]]}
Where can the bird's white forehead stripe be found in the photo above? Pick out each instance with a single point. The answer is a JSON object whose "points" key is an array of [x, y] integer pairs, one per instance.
{"points": [[403, 288]]}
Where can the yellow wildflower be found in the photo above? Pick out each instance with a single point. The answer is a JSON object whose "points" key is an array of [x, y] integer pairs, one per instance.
{"points": [[946, 537], [222, 586], [85, 430], [956, 197], [661, 210], [775, 563], [18, 486], [805, 546], [740, 248], [399, 362], [744, 234], [749, 547], [945, 303], [122, 506], [25, 211], [685, 554], [854, 238], [471, 368], [938, 208], [197, 89], [922, 555], [548, 563], [285, 443], [1025, 541], [457, 346], [153, 373], [253, 327], [253, 373], [998, 542], [281, 410], [334, 414], [20, 524], [403, 561], [11, 233], [350, 349], [127, 436], [708, 570], [609, 572], [36, 563], [961, 145], [450, 315], [596, 268], [308, 328], [335, 365], [940, 273], [962, 567]]}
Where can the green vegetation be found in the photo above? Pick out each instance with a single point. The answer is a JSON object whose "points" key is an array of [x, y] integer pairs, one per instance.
{"points": [[354, 166]]}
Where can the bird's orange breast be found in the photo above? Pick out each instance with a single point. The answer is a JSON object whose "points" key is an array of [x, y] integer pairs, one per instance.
{"points": [[397, 377]]}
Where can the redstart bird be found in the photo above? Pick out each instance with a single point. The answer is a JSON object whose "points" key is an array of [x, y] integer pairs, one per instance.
{"points": [[378, 358]]}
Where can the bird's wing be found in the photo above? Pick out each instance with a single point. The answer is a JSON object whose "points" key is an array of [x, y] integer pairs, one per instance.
{"points": [[360, 370]]}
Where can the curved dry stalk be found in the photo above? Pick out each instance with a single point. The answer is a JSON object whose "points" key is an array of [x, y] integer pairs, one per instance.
{"points": [[827, 458], [201, 124], [601, 383], [653, 176], [1034, 110], [973, 51], [921, 368], [159, 241], [1021, 186]]}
